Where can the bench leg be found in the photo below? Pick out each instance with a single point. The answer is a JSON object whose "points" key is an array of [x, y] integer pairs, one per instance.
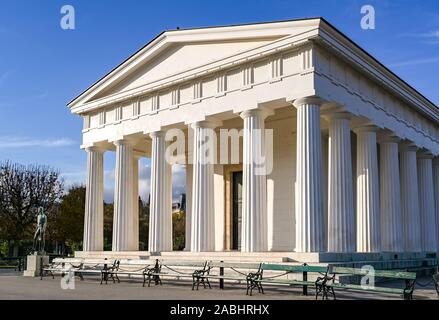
{"points": [[193, 283], [319, 288], [207, 279], [326, 291]]}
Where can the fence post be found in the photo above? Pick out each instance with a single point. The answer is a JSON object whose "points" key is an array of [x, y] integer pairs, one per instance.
{"points": [[221, 272], [305, 278]]}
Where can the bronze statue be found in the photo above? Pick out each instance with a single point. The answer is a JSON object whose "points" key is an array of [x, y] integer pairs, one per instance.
{"points": [[40, 232]]}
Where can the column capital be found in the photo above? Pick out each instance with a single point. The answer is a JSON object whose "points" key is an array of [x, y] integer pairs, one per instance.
{"points": [[210, 123], [157, 134], [366, 128], [337, 115], [436, 161], [408, 146], [314, 100], [125, 142], [258, 112], [425, 154], [95, 149], [388, 138]]}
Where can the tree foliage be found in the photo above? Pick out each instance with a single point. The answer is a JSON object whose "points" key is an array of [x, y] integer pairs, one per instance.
{"points": [[67, 223], [22, 190]]}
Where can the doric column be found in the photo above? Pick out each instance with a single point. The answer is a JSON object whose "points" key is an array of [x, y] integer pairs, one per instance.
{"points": [[203, 216], [390, 198], [341, 214], [123, 221], [94, 201], [136, 202], [368, 202], [160, 218], [309, 188], [254, 192], [426, 202], [409, 199], [436, 196]]}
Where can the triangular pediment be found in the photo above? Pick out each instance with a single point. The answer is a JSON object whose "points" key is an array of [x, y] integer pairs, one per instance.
{"points": [[179, 58], [178, 51]]}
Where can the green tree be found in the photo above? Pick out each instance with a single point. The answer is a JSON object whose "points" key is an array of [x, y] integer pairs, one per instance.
{"points": [[67, 225], [178, 230], [108, 225]]}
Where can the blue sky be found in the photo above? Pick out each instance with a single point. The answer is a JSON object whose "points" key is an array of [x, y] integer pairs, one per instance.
{"points": [[42, 66]]}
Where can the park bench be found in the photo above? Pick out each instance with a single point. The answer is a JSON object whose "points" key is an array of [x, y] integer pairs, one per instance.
{"points": [[329, 283], [80, 267], [129, 268], [238, 271], [194, 270], [60, 266], [97, 267], [17, 263], [279, 273]]}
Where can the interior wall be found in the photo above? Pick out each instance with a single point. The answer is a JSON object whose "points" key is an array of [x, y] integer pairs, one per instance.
{"points": [[281, 181]]}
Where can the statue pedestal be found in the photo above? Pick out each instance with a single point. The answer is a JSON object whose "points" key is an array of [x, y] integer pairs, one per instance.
{"points": [[34, 262]]}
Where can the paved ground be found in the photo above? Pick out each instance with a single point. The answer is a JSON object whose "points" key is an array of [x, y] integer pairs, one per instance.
{"points": [[14, 286]]}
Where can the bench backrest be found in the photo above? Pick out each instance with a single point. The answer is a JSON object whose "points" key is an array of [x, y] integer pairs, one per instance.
{"points": [[234, 265], [67, 260], [136, 262], [194, 264], [93, 262], [377, 273], [294, 268]]}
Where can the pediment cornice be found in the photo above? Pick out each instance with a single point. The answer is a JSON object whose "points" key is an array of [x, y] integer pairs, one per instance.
{"points": [[292, 34]]}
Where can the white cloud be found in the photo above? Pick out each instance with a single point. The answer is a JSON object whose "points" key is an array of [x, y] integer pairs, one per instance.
{"points": [[432, 34], [7, 142], [415, 62]]}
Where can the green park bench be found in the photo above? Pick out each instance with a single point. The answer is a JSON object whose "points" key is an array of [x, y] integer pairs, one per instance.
{"points": [[12, 262], [80, 267], [279, 273], [238, 271], [129, 268], [329, 283], [177, 269], [60, 266]]}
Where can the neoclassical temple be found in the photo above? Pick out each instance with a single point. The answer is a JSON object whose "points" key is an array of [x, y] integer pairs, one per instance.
{"points": [[355, 148]]}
